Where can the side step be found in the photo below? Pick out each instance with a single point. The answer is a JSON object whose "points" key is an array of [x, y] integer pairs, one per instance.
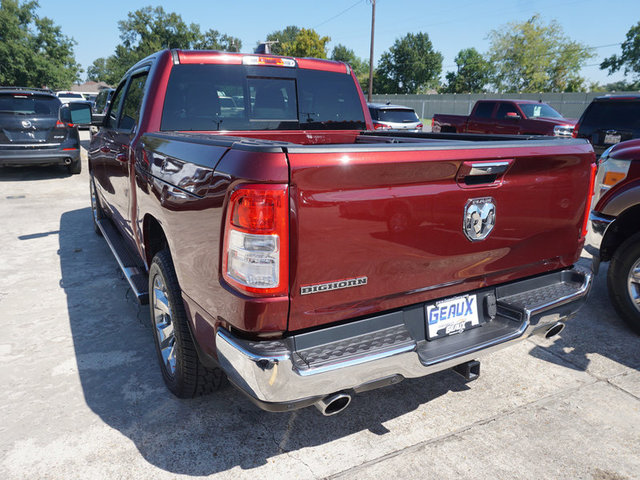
{"points": [[136, 276]]}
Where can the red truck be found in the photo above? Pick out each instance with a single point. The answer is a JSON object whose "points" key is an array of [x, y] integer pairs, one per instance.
{"points": [[614, 233], [240, 226], [509, 117]]}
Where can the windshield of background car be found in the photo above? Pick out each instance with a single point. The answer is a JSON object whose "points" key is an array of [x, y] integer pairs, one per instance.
{"points": [[236, 97], [619, 115], [532, 110], [70, 95], [32, 105], [399, 115]]}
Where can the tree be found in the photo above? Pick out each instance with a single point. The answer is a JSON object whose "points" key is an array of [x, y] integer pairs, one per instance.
{"points": [[283, 37], [473, 74], [33, 50], [149, 30], [410, 66], [298, 42], [360, 67], [630, 56], [534, 57]]}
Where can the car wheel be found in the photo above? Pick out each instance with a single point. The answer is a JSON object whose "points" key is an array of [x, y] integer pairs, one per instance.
{"points": [[96, 209], [75, 167], [623, 281], [182, 371]]}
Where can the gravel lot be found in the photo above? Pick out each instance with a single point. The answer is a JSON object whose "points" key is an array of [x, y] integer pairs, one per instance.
{"points": [[84, 399]]}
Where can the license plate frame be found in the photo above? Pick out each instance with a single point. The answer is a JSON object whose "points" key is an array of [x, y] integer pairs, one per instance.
{"points": [[451, 316], [612, 139]]}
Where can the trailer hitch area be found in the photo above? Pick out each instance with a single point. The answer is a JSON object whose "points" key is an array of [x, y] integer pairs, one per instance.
{"points": [[469, 370]]}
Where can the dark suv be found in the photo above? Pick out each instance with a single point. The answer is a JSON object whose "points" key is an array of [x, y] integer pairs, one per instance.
{"points": [[35, 130], [609, 120]]}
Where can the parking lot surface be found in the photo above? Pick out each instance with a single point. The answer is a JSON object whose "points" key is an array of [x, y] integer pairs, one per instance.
{"points": [[83, 398]]}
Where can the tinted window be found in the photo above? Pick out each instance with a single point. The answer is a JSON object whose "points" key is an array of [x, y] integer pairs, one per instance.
{"points": [[234, 97], [484, 109], [70, 95], [506, 108], [101, 101], [619, 115], [132, 102], [397, 115], [540, 110], [29, 105], [114, 109], [374, 113]]}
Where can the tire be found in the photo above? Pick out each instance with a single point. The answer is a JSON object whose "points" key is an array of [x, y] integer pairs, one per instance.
{"points": [[96, 209], [182, 371], [75, 167], [623, 281]]}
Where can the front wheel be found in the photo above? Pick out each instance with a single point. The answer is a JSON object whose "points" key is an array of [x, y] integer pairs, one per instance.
{"points": [[623, 281], [182, 371]]}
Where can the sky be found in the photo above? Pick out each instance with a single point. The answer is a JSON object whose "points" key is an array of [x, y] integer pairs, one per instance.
{"points": [[451, 25]]}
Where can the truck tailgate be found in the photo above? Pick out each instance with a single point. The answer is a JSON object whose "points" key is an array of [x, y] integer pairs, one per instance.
{"points": [[380, 227]]}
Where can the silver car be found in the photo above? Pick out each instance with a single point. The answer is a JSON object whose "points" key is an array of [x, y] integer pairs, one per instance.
{"points": [[394, 117]]}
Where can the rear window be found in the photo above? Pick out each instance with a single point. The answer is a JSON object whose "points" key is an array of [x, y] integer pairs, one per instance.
{"points": [[40, 105], [484, 109], [619, 115], [397, 115], [70, 95], [235, 97]]}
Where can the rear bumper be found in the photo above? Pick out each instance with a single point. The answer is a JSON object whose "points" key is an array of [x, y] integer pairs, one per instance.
{"points": [[296, 372], [35, 156]]}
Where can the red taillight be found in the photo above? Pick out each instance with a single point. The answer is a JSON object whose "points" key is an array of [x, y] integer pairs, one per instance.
{"points": [[60, 124], [585, 223], [380, 126], [574, 134], [255, 257]]}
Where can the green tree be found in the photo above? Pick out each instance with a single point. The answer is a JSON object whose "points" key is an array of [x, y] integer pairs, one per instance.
{"points": [[283, 39], [33, 50], [360, 67], [149, 30], [410, 66], [473, 73], [307, 44], [630, 56], [535, 57]]}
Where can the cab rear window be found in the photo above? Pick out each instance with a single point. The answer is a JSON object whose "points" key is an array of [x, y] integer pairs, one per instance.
{"points": [[236, 98]]}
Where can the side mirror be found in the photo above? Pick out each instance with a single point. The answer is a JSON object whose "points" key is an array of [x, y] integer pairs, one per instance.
{"points": [[512, 115], [76, 113]]}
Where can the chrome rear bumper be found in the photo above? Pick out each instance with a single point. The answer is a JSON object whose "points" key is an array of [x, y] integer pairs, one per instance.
{"points": [[295, 372]]}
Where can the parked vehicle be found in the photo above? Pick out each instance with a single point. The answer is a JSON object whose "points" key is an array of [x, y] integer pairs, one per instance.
{"points": [[36, 130], [67, 97], [249, 231], [512, 117], [608, 120], [102, 101], [394, 117], [614, 235]]}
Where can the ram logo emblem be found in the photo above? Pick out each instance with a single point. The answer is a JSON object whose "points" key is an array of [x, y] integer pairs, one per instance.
{"points": [[479, 218]]}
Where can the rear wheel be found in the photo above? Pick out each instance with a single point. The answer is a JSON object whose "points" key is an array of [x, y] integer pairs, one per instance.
{"points": [[182, 370], [75, 166], [623, 281]]}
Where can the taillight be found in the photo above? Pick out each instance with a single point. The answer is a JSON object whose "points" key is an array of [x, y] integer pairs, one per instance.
{"points": [[60, 124], [380, 126], [255, 258], [592, 180], [419, 126]]}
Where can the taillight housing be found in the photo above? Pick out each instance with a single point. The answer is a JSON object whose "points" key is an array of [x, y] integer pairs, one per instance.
{"points": [[255, 256], [574, 133], [380, 126], [589, 204], [419, 126]]}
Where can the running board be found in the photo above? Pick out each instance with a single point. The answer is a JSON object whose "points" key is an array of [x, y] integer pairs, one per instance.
{"points": [[137, 277]]}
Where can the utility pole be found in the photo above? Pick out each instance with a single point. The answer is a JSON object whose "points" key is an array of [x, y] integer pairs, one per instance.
{"points": [[373, 24]]}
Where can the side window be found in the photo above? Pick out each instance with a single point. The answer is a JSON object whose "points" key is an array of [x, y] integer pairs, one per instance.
{"points": [[505, 108], [132, 102], [114, 110], [484, 110]]}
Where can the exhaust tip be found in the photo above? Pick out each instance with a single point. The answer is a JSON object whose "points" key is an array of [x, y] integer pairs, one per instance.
{"points": [[67, 161], [554, 330], [333, 404]]}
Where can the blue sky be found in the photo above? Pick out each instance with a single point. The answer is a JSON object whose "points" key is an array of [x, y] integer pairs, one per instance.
{"points": [[451, 25]]}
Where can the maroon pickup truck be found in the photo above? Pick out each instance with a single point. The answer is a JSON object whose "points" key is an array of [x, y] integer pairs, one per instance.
{"points": [[509, 117], [615, 227], [282, 245]]}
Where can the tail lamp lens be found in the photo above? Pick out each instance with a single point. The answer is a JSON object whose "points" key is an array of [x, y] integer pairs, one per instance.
{"points": [[256, 246]]}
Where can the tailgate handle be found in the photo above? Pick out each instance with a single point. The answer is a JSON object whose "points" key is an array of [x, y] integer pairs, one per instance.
{"points": [[482, 173], [493, 168]]}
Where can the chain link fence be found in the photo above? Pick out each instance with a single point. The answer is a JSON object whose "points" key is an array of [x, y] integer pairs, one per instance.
{"points": [[570, 105]]}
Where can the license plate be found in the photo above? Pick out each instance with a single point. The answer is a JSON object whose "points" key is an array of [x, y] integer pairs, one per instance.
{"points": [[452, 316], [610, 139]]}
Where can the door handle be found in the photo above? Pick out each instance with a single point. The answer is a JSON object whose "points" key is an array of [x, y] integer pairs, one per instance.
{"points": [[472, 174], [493, 168]]}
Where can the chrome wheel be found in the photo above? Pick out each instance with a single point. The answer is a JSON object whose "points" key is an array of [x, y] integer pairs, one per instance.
{"points": [[633, 284], [163, 325]]}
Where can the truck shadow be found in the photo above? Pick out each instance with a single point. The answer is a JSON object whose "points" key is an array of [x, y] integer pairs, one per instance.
{"points": [[596, 331], [122, 384]]}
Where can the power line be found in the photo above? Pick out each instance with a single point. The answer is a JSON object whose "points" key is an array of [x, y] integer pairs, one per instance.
{"points": [[338, 14]]}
